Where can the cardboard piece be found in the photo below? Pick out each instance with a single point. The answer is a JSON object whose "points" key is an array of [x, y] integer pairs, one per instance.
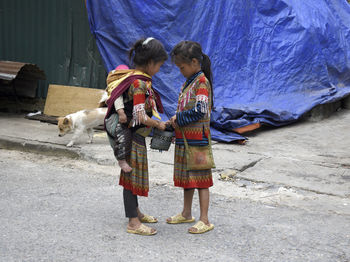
{"points": [[63, 100]]}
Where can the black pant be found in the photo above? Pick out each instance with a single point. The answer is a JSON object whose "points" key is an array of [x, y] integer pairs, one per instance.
{"points": [[130, 203]]}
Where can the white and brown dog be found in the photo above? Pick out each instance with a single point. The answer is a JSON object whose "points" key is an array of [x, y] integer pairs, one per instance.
{"points": [[80, 122]]}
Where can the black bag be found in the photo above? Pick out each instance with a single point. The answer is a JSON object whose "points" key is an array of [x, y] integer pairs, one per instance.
{"points": [[161, 140]]}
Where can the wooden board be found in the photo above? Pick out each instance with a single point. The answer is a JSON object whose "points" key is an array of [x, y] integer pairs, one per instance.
{"points": [[43, 118], [251, 127], [53, 120], [63, 100]]}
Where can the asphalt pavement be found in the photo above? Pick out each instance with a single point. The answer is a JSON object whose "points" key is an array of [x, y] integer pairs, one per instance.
{"points": [[59, 209], [306, 164], [286, 188]]}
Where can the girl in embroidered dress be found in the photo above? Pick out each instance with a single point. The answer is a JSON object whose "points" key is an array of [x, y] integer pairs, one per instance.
{"points": [[141, 102], [193, 120]]}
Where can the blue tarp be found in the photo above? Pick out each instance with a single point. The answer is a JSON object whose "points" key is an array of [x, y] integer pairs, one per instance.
{"points": [[272, 60]]}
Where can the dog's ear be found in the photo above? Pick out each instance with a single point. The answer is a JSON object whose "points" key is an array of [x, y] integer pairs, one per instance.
{"points": [[65, 121]]}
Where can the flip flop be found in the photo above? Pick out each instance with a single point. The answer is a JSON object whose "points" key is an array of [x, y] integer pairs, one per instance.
{"points": [[201, 228], [142, 230], [178, 219], [148, 219]]}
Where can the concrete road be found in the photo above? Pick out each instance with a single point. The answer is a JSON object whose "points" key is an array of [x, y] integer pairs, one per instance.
{"points": [[59, 209], [304, 165]]}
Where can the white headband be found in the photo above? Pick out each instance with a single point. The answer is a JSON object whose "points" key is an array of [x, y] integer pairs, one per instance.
{"points": [[147, 41]]}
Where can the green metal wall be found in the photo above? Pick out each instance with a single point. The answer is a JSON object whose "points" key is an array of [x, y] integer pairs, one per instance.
{"points": [[55, 35]]}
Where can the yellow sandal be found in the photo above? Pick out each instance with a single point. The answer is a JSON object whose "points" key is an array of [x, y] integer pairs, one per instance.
{"points": [[148, 219], [142, 230], [178, 219], [201, 228]]}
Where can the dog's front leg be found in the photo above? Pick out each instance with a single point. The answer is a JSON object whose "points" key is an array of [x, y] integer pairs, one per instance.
{"points": [[76, 135], [90, 134]]}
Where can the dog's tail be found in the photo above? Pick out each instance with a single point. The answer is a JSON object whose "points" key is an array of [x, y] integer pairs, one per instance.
{"points": [[104, 98]]}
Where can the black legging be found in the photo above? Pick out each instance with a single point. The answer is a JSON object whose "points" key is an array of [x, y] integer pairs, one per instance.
{"points": [[130, 203]]}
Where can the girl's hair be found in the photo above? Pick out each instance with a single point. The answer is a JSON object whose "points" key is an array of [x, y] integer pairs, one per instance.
{"points": [[146, 50], [185, 51]]}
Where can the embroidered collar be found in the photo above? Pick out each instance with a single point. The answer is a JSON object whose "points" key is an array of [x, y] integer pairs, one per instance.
{"points": [[190, 79]]}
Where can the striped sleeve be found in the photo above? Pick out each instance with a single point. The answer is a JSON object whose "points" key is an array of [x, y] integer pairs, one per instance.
{"points": [[189, 116]]}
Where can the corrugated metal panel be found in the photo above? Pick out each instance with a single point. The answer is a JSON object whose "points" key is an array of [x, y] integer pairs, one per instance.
{"points": [[55, 35], [19, 79], [10, 70]]}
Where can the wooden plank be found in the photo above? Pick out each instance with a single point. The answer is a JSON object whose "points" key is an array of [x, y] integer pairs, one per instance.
{"points": [[241, 130], [43, 118], [53, 120], [63, 100]]}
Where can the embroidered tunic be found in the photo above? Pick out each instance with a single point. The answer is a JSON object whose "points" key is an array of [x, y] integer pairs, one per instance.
{"points": [[139, 101], [193, 117], [193, 110]]}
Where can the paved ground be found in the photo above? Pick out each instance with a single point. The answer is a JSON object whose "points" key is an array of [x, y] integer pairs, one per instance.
{"points": [[56, 209], [306, 164], [285, 196]]}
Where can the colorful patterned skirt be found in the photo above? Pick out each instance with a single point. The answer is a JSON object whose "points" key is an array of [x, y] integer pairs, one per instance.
{"points": [[137, 180], [189, 179]]}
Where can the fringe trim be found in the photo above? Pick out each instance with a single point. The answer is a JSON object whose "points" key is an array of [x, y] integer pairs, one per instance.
{"points": [[151, 100], [154, 108], [138, 113], [204, 104], [186, 98]]}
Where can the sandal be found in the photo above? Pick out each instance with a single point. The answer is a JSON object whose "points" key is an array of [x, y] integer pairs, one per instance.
{"points": [[148, 219], [201, 228], [178, 219], [142, 230]]}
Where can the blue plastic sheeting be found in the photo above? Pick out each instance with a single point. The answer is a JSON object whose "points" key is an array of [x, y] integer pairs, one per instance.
{"points": [[272, 60]]}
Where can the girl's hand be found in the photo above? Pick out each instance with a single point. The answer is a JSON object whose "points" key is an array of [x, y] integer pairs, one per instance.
{"points": [[122, 116], [161, 125], [173, 121]]}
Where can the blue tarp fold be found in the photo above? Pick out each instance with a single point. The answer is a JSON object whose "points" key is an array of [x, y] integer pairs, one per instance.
{"points": [[272, 60]]}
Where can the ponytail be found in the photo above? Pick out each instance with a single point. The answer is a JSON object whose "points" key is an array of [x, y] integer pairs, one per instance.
{"points": [[206, 68], [132, 50]]}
